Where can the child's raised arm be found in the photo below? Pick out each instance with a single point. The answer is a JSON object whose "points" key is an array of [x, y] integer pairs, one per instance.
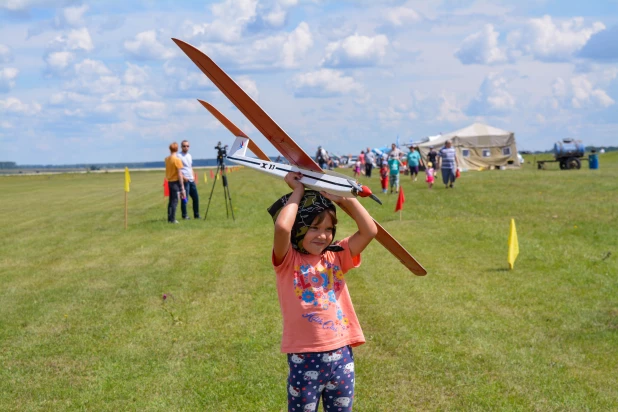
{"points": [[285, 220], [367, 228]]}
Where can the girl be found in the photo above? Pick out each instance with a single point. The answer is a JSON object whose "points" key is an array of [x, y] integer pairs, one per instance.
{"points": [[357, 169], [384, 176], [319, 324], [429, 178]]}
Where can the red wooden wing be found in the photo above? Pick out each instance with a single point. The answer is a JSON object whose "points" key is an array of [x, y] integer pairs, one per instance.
{"points": [[284, 143], [234, 129], [393, 246], [256, 115]]}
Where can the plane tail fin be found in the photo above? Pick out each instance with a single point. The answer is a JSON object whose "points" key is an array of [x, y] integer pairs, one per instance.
{"points": [[239, 148]]}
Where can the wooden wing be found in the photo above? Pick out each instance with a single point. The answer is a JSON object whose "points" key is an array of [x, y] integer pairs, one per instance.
{"points": [[252, 111], [385, 238], [234, 130]]}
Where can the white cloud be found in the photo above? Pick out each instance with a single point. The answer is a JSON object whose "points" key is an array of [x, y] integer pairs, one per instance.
{"points": [[296, 45], [105, 108], [65, 97], [22, 5], [123, 93], [493, 98], [325, 83], [78, 39], [6, 56], [275, 17], [398, 16], [248, 86], [546, 40], [90, 67], [135, 74], [449, 109], [187, 106], [481, 48], [230, 19], [147, 47], [150, 110], [13, 105], [58, 62], [602, 46], [283, 50], [580, 92], [394, 114], [7, 78], [356, 51], [71, 17]]}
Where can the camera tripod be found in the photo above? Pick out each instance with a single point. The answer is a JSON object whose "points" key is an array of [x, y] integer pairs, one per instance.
{"points": [[226, 190]]}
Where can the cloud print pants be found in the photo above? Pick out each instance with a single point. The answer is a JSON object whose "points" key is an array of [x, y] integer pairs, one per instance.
{"points": [[326, 376]]}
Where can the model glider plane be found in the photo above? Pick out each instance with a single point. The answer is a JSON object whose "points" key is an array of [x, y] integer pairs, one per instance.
{"points": [[313, 176]]}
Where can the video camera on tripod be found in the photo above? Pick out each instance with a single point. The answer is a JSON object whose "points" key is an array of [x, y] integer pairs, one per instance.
{"points": [[221, 153]]}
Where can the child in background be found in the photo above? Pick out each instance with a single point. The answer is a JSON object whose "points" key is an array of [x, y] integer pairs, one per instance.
{"points": [[357, 169], [429, 178], [384, 177], [394, 165], [320, 326]]}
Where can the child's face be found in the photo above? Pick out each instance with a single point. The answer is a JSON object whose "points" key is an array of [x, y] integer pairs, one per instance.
{"points": [[319, 235]]}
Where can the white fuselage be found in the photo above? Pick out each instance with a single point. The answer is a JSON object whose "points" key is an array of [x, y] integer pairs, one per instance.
{"points": [[338, 185]]}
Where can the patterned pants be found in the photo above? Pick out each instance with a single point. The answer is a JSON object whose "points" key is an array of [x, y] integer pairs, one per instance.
{"points": [[326, 376]]}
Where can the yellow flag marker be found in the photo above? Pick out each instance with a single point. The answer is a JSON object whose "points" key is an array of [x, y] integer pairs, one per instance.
{"points": [[127, 179], [205, 178], [127, 182], [513, 245]]}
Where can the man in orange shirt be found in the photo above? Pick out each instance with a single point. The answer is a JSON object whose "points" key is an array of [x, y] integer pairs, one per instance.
{"points": [[174, 181]]}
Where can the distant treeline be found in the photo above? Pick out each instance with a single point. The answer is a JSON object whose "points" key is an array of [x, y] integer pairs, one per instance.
{"points": [[197, 162]]}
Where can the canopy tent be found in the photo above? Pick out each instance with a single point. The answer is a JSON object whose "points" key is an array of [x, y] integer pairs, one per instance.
{"points": [[479, 146]]}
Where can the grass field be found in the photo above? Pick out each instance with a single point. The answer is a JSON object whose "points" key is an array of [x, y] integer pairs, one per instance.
{"points": [[83, 325]]}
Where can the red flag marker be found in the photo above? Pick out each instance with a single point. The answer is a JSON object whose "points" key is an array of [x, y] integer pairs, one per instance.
{"points": [[212, 176], [166, 188], [195, 176], [400, 200]]}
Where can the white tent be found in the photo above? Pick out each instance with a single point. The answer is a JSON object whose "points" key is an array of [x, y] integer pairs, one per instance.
{"points": [[479, 146]]}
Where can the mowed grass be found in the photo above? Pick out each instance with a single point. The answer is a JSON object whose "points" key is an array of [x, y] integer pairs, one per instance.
{"points": [[83, 325]]}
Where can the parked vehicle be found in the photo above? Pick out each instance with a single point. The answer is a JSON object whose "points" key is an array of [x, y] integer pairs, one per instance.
{"points": [[569, 153]]}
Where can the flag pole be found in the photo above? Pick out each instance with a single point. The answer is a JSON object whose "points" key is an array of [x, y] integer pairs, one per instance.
{"points": [[126, 210], [127, 182]]}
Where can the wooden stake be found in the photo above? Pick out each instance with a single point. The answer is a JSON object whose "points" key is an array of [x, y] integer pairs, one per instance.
{"points": [[126, 210]]}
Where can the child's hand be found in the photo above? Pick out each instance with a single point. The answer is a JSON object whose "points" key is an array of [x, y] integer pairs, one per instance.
{"points": [[293, 180], [331, 197]]}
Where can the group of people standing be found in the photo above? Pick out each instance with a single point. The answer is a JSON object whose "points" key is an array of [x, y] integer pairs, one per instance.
{"points": [[391, 164], [181, 182]]}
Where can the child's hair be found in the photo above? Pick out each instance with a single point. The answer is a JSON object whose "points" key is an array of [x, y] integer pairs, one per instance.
{"points": [[333, 217], [174, 147], [429, 164]]}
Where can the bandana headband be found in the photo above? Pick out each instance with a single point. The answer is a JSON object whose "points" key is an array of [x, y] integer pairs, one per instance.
{"points": [[310, 206]]}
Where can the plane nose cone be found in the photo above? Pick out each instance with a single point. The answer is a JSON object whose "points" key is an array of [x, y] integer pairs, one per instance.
{"points": [[364, 192]]}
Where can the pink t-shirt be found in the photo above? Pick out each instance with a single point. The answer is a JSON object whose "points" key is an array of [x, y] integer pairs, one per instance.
{"points": [[317, 310]]}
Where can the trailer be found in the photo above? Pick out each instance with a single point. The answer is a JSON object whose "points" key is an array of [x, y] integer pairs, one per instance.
{"points": [[569, 153]]}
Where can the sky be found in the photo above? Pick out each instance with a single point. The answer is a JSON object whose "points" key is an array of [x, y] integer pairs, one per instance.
{"points": [[102, 81]]}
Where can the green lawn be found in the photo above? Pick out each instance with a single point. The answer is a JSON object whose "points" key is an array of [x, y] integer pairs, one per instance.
{"points": [[83, 325]]}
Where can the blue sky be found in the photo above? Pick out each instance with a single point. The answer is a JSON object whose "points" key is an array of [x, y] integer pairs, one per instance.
{"points": [[101, 81]]}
